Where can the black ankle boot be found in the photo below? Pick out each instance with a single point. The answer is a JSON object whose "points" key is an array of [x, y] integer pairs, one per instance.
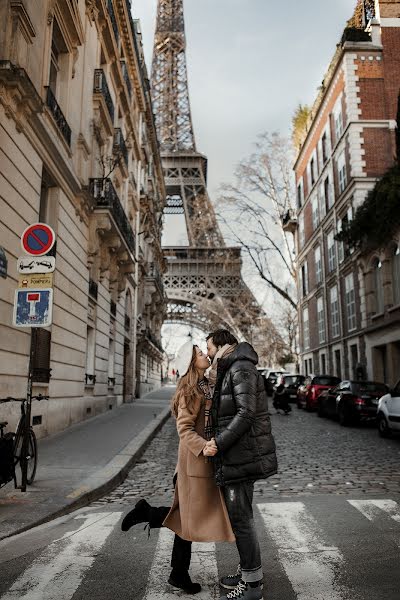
{"points": [[182, 581], [140, 514]]}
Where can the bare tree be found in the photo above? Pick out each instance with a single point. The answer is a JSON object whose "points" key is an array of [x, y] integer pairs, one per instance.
{"points": [[255, 209]]}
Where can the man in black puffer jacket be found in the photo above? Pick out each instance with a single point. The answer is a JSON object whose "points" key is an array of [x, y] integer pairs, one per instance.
{"points": [[246, 451]]}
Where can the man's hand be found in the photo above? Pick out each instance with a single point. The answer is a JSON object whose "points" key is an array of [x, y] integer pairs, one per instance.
{"points": [[210, 448]]}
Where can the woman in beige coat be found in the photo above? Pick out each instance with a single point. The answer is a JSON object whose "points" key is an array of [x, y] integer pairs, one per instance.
{"points": [[198, 512]]}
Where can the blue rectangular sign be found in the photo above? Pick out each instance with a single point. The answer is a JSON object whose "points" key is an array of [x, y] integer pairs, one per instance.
{"points": [[33, 307]]}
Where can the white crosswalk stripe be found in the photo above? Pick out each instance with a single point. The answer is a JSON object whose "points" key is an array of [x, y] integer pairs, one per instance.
{"points": [[372, 509], [308, 557], [310, 564], [59, 570], [203, 570]]}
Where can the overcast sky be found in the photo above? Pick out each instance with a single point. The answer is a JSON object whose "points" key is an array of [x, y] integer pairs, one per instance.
{"points": [[250, 63]]}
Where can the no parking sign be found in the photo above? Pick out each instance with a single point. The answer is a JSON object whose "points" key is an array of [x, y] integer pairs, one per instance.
{"points": [[38, 239]]}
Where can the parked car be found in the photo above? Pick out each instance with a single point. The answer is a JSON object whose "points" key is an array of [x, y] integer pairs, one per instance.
{"points": [[270, 376], [291, 383], [352, 401], [389, 412], [307, 394]]}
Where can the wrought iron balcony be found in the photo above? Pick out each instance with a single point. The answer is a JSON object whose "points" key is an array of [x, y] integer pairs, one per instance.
{"points": [[126, 76], [113, 19], [105, 196], [101, 87], [58, 116], [119, 144], [90, 379], [154, 274]]}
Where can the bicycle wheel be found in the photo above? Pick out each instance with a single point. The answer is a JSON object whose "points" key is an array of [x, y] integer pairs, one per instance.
{"points": [[31, 455]]}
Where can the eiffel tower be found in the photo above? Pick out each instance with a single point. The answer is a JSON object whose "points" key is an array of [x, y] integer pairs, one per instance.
{"points": [[203, 282]]}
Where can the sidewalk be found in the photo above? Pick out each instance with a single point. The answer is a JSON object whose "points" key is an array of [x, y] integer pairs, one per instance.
{"points": [[83, 462]]}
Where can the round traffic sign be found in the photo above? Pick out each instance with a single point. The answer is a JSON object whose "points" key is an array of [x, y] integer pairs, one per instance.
{"points": [[38, 239]]}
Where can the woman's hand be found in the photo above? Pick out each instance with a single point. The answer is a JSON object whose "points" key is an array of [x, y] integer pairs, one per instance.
{"points": [[210, 448]]}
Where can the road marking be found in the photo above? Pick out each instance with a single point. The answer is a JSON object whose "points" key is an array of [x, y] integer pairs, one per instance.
{"points": [[203, 570], [371, 509], [310, 564], [57, 573]]}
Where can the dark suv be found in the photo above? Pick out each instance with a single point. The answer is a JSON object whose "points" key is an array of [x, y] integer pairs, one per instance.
{"points": [[352, 401], [291, 383]]}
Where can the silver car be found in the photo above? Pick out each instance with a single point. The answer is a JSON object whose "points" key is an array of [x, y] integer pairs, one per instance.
{"points": [[389, 412]]}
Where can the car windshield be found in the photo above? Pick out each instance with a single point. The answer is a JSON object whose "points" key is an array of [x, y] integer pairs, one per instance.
{"points": [[293, 380], [326, 380], [370, 387]]}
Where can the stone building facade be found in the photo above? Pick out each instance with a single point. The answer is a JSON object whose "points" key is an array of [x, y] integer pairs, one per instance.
{"points": [[349, 304], [79, 152]]}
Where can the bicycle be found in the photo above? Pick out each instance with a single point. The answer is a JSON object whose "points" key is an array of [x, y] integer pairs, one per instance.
{"points": [[13, 456]]}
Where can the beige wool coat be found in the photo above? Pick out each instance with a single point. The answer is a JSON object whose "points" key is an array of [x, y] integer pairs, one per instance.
{"points": [[198, 512]]}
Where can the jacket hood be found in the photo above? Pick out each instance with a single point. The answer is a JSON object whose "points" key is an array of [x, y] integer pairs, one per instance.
{"points": [[243, 351]]}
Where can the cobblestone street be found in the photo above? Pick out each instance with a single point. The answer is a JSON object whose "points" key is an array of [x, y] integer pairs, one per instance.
{"points": [[316, 456]]}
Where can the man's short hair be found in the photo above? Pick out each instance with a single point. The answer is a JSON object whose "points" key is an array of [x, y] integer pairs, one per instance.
{"points": [[221, 337]]}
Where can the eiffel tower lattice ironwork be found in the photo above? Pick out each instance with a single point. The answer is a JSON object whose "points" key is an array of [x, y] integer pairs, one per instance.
{"points": [[203, 281]]}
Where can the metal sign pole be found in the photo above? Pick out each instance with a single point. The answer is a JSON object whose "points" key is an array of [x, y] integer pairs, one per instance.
{"points": [[27, 423]]}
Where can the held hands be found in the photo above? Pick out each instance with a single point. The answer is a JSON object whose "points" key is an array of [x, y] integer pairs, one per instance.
{"points": [[210, 448]]}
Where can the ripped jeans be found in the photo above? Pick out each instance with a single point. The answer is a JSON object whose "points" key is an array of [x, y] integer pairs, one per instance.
{"points": [[239, 500]]}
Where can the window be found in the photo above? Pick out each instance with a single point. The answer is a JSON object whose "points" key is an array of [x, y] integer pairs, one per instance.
{"points": [[318, 264], [331, 251], [299, 195], [350, 302], [301, 231], [321, 320], [339, 228], [342, 172], [304, 279], [323, 363], [396, 275], [324, 145], [306, 328], [338, 364], [321, 201], [90, 356], [315, 212], [312, 171], [111, 354], [335, 311], [338, 122], [328, 193], [379, 287]]}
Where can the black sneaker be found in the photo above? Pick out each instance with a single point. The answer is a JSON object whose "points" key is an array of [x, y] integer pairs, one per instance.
{"points": [[139, 514], [244, 592], [229, 582], [182, 581]]}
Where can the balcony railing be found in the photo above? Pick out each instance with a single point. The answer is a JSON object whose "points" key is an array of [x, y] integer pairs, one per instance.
{"points": [[101, 87], [152, 338], [113, 19], [155, 274], [58, 116], [103, 192], [119, 144], [126, 76]]}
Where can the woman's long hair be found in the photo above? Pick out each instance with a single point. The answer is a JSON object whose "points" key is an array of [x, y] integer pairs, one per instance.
{"points": [[187, 391]]}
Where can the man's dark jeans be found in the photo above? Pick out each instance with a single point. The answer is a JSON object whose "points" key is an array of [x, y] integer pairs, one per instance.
{"points": [[239, 503]]}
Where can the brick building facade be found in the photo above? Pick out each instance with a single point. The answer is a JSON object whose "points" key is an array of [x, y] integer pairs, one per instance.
{"points": [[348, 327]]}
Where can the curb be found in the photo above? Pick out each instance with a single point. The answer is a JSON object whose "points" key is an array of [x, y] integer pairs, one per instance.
{"points": [[106, 479]]}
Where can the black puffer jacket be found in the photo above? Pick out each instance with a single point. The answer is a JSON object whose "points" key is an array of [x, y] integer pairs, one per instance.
{"points": [[244, 439]]}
